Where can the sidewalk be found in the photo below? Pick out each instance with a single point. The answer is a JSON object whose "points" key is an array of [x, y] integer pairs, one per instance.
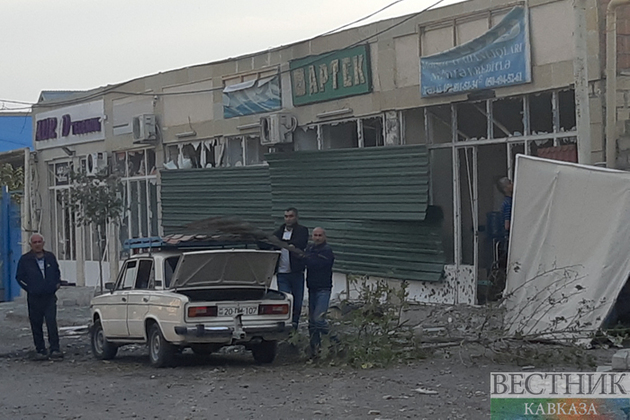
{"points": [[73, 309]]}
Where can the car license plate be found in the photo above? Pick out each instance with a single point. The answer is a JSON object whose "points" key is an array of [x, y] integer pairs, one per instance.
{"points": [[238, 310]]}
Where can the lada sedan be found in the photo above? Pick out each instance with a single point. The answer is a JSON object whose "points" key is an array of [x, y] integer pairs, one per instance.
{"points": [[203, 300]]}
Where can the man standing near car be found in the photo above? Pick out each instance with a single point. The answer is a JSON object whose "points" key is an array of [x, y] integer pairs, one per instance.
{"points": [[290, 266], [39, 275], [319, 259]]}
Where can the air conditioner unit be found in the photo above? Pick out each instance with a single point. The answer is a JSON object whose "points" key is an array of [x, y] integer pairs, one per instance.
{"points": [[144, 128], [96, 163], [277, 128]]}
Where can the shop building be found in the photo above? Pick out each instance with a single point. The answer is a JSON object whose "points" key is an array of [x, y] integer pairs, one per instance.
{"points": [[391, 136]]}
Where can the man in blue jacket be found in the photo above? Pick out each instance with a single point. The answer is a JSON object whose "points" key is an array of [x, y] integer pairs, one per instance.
{"points": [[39, 275], [319, 260]]}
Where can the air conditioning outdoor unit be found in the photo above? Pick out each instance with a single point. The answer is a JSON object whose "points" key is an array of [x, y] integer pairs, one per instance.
{"points": [[144, 128], [96, 163], [277, 128]]}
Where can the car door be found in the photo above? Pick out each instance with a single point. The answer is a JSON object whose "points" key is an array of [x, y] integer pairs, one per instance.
{"points": [[138, 298], [114, 309]]}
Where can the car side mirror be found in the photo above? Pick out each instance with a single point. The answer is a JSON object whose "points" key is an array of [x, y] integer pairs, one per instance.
{"points": [[109, 286]]}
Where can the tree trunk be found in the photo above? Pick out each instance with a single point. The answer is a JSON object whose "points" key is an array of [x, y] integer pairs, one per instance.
{"points": [[100, 258]]}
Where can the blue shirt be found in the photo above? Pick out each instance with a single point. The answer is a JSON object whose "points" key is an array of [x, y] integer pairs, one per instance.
{"points": [[506, 209]]}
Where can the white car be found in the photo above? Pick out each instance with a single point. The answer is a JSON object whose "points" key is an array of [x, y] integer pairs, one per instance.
{"points": [[199, 299]]}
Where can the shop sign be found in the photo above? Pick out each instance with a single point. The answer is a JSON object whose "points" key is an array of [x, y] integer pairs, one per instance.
{"points": [[47, 128], [73, 124], [500, 57], [329, 76], [62, 173]]}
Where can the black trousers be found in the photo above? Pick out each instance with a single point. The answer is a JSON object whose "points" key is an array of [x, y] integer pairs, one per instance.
{"points": [[43, 308]]}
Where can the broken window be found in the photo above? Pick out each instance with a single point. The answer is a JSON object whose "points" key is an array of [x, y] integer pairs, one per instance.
{"points": [[507, 118], [440, 127], [234, 151], [515, 149], [305, 138], [372, 132], [192, 155], [138, 170], [472, 121], [566, 110], [541, 113], [414, 129], [254, 151], [340, 135]]}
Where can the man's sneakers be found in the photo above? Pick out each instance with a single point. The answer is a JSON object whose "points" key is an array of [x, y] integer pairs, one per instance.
{"points": [[56, 355], [40, 355]]}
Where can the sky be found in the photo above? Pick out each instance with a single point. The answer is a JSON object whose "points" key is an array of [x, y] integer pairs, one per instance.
{"points": [[78, 44]]}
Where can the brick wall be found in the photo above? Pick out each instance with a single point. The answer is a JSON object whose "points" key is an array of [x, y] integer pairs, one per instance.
{"points": [[623, 35]]}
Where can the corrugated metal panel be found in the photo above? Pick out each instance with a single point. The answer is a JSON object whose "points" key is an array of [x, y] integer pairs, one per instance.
{"points": [[196, 194], [410, 250], [372, 203], [384, 183]]}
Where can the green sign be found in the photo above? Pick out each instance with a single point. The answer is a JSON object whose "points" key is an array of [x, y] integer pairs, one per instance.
{"points": [[332, 75]]}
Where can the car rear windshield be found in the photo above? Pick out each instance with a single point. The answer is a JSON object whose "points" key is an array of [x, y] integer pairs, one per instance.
{"points": [[170, 264]]}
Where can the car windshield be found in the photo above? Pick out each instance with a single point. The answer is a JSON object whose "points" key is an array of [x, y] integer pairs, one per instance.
{"points": [[170, 264]]}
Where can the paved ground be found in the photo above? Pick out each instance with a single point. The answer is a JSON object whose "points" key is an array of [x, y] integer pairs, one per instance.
{"points": [[225, 386]]}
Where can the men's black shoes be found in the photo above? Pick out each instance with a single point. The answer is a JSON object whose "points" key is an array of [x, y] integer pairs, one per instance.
{"points": [[39, 356], [56, 354]]}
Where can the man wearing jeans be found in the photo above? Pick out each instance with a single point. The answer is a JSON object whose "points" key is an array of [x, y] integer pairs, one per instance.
{"points": [[290, 266], [319, 259], [38, 274]]}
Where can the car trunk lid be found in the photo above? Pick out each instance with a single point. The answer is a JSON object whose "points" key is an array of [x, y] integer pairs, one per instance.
{"points": [[236, 267]]}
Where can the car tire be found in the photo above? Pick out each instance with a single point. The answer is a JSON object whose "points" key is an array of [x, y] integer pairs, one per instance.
{"points": [[101, 348], [265, 352], [161, 352]]}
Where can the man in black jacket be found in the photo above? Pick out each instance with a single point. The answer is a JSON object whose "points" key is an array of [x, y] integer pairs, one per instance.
{"points": [[39, 275], [290, 266], [319, 259]]}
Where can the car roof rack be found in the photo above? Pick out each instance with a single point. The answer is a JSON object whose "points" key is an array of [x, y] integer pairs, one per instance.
{"points": [[178, 241]]}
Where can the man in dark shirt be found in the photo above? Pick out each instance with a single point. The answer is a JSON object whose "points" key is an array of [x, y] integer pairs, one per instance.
{"points": [[39, 275], [290, 273], [319, 259], [507, 188]]}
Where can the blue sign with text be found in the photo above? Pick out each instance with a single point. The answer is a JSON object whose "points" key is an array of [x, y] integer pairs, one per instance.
{"points": [[498, 58]]}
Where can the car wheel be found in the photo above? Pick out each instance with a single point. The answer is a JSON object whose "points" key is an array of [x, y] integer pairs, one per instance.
{"points": [[160, 351], [203, 349], [265, 352], [101, 348]]}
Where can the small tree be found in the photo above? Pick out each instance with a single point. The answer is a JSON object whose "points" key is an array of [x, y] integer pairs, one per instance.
{"points": [[96, 201], [13, 178]]}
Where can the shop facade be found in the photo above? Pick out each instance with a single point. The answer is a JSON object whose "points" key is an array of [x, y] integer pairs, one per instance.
{"points": [[401, 168]]}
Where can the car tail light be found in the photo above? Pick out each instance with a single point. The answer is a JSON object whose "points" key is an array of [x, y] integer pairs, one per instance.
{"points": [[276, 309], [199, 311]]}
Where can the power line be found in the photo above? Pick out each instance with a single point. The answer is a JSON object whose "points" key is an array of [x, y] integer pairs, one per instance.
{"points": [[362, 19], [112, 89]]}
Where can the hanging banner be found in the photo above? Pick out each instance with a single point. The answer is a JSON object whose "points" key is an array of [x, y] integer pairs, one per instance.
{"points": [[252, 97], [500, 57]]}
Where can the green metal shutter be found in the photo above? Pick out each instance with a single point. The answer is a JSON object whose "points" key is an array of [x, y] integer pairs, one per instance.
{"points": [[372, 203], [384, 183], [195, 194]]}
